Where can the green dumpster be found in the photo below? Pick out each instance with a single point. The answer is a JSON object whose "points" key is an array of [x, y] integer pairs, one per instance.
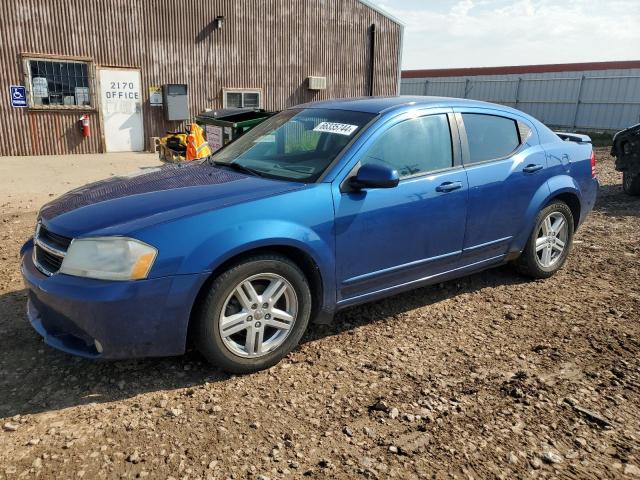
{"points": [[225, 125]]}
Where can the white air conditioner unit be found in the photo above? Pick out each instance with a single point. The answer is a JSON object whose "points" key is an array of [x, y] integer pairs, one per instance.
{"points": [[317, 83]]}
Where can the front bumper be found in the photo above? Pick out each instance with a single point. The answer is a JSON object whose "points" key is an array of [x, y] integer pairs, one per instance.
{"points": [[110, 320]]}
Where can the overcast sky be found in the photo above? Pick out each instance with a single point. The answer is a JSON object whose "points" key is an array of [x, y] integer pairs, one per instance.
{"points": [[483, 33]]}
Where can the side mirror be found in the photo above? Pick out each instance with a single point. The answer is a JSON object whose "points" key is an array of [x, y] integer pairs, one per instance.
{"points": [[375, 175]]}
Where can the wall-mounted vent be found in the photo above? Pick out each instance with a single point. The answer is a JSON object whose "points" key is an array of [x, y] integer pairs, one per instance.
{"points": [[317, 83]]}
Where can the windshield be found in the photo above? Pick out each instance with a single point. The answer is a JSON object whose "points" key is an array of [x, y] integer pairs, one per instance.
{"points": [[296, 144]]}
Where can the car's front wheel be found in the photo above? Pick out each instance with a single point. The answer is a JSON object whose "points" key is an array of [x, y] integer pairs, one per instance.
{"points": [[253, 314], [549, 243]]}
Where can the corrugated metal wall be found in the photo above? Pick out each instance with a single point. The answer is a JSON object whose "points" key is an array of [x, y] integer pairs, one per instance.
{"points": [[589, 100], [269, 44]]}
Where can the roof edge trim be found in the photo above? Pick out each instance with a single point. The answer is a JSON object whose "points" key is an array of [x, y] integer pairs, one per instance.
{"points": [[382, 11], [521, 69]]}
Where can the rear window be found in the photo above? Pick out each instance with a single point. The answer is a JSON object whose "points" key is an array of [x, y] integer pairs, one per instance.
{"points": [[489, 136]]}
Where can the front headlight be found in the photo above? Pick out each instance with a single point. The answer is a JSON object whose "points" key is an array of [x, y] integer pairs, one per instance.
{"points": [[109, 258]]}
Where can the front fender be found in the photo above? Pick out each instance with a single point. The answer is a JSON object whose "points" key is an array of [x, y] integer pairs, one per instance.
{"points": [[240, 238], [547, 191], [231, 242], [302, 219]]}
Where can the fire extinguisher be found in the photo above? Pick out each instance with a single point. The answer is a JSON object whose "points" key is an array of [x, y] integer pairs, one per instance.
{"points": [[84, 125]]}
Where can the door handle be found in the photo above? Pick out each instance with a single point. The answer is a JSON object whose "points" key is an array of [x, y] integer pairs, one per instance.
{"points": [[532, 168], [449, 186]]}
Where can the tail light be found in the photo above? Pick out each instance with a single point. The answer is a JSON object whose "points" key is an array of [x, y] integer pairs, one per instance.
{"points": [[593, 164]]}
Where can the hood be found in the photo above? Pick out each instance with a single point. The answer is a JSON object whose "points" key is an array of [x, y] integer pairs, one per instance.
{"points": [[121, 204]]}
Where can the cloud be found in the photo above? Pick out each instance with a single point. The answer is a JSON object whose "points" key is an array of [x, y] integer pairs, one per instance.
{"points": [[473, 33]]}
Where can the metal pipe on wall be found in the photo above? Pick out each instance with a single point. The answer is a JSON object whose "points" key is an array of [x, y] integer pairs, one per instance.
{"points": [[372, 56]]}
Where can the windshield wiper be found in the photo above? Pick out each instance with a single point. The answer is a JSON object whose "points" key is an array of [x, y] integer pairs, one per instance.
{"points": [[239, 168]]}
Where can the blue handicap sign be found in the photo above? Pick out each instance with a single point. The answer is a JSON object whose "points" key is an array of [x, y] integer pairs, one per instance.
{"points": [[18, 96]]}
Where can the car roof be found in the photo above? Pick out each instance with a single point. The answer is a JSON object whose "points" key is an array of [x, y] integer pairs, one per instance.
{"points": [[384, 104]]}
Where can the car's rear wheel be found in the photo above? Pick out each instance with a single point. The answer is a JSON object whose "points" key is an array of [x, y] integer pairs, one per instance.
{"points": [[550, 242], [253, 314], [631, 183]]}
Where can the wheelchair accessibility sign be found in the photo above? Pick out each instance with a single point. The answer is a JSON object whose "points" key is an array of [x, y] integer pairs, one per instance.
{"points": [[18, 95]]}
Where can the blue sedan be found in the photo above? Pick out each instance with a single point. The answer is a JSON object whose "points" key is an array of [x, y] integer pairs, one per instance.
{"points": [[323, 206]]}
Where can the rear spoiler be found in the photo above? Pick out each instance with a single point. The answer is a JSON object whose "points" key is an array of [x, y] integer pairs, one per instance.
{"points": [[574, 137]]}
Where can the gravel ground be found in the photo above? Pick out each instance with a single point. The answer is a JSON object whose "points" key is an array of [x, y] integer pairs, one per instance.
{"points": [[491, 375]]}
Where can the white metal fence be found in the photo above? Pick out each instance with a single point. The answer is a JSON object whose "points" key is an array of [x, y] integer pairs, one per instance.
{"points": [[592, 100]]}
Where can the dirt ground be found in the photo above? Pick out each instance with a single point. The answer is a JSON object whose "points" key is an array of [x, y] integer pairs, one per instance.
{"points": [[26, 183], [488, 376]]}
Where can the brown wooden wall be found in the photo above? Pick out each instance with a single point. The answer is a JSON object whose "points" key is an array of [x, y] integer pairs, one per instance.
{"points": [[270, 44]]}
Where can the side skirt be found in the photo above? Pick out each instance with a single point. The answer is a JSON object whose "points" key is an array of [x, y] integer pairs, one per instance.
{"points": [[440, 277]]}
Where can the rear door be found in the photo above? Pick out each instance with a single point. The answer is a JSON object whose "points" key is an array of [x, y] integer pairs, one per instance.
{"points": [[389, 237], [505, 167]]}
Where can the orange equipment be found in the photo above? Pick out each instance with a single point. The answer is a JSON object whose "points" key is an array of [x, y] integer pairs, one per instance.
{"points": [[197, 146]]}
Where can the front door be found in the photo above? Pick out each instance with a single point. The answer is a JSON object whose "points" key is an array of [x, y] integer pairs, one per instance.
{"points": [[121, 104], [386, 238]]}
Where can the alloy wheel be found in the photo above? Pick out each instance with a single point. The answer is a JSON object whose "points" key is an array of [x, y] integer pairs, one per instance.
{"points": [[258, 315], [551, 239]]}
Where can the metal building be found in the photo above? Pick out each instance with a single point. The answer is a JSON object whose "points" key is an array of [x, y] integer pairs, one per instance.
{"points": [[109, 59], [581, 96]]}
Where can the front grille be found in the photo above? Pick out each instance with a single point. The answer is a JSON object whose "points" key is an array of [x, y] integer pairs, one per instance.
{"points": [[53, 238], [49, 262], [49, 250]]}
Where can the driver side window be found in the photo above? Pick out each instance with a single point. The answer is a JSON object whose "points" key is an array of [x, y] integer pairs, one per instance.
{"points": [[415, 146]]}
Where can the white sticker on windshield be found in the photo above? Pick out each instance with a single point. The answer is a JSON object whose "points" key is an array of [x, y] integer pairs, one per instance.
{"points": [[339, 128]]}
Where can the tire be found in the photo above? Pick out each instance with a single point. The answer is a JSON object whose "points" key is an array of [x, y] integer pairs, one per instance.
{"points": [[631, 183], [533, 261], [230, 306]]}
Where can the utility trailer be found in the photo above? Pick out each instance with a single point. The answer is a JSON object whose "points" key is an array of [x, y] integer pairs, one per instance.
{"points": [[626, 149]]}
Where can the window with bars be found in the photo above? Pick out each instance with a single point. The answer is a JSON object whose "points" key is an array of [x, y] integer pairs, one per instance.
{"points": [[242, 98], [59, 83]]}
